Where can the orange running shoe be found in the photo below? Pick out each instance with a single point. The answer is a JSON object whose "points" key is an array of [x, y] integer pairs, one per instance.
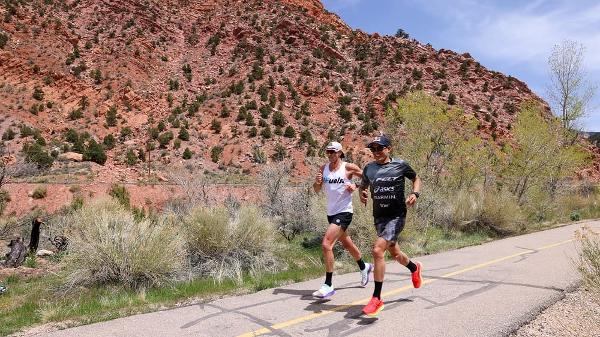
{"points": [[416, 276], [373, 308]]}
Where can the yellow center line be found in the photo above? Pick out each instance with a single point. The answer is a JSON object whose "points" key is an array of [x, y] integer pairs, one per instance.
{"points": [[305, 318]]}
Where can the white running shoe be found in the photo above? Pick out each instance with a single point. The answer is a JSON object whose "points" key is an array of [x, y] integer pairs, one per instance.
{"points": [[324, 292], [364, 274]]}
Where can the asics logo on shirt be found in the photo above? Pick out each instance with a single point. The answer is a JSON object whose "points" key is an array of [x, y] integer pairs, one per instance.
{"points": [[382, 189]]}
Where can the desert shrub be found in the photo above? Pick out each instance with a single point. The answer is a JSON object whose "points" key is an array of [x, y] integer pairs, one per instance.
{"points": [[39, 192], [289, 132], [111, 116], [187, 154], [285, 203], [258, 155], [4, 200], [215, 153], [109, 246], [501, 212], [109, 141], [36, 154], [3, 40], [222, 245], [131, 157], [95, 152], [589, 258], [120, 194]]}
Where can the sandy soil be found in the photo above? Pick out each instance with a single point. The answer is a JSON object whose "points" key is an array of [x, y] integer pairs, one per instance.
{"points": [[578, 314]]}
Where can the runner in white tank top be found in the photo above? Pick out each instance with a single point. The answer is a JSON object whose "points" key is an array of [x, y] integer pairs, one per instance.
{"points": [[339, 198], [336, 176]]}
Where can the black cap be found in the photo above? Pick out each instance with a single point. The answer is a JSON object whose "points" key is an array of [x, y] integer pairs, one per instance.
{"points": [[381, 140]]}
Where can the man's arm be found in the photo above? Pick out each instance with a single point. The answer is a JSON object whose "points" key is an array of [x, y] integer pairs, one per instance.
{"points": [[318, 180], [352, 171], [364, 184], [412, 198]]}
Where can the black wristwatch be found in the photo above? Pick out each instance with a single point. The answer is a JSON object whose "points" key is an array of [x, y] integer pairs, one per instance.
{"points": [[417, 194]]}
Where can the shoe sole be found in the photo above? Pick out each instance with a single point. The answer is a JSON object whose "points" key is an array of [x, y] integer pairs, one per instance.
{"points": [[368, 276], [328, 295], [374, 314], [420, 277]]}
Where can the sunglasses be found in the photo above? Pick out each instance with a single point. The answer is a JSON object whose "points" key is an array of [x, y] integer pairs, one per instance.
{"points": [[376, 148], [330, 151]]}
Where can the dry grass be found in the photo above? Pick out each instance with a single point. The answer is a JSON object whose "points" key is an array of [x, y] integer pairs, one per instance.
{"points": [[589, 258], [223, 245], [108, 245]]}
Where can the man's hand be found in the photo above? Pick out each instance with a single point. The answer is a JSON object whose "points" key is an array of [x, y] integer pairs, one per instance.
{"points": [[319, 178], [351, 187], [411, 200], [364, 195]]}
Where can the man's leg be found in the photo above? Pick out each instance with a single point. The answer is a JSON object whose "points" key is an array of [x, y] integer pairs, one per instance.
{"points": [[397, 254], [379, 261], [346, 241], [365, 268], [333, 233], [375, 305], [402, 258], [331, 236]]}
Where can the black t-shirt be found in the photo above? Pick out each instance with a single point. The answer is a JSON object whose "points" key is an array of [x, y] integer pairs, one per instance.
{"points": [[386, 183]]}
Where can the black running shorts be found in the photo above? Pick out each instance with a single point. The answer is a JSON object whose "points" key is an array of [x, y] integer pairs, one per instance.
{"points": [[341, 219], [389, 228]]}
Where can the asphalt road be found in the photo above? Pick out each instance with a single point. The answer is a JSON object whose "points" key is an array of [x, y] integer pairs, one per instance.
{"points": [[486, 290]]}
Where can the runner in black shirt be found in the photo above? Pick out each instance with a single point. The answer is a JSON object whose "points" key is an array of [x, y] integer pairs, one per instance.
{"points": [[385, 178]]}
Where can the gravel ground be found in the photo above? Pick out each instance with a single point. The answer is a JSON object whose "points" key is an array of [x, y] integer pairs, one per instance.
{"points": [[578, 314]]}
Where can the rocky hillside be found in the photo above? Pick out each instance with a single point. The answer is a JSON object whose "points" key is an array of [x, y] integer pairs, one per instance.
{"points": [[220, 85]]}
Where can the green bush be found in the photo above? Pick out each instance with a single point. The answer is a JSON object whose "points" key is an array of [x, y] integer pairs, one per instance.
{"points": [[94, 152], [75, 114], [4, 200], [3, 40], [131, 157], [215, 125], [187, 154], [164, 139], [589, 258], [38, 94], [225, 245], [183, 134], [111, 116], [451, 99], [215, 153], [109, 142], [39, 192], [121, 194], [109, 246], [289, 132], [36, 154]]}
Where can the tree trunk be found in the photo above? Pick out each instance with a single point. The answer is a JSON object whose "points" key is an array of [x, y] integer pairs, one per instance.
{"points": [[35, 235], [17, 253]]}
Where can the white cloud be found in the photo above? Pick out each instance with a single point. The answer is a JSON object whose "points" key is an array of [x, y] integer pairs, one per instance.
{"points": [[526, 34]]}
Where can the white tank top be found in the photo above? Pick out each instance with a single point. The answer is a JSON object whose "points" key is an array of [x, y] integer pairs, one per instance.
{"points": [[338, 198]]}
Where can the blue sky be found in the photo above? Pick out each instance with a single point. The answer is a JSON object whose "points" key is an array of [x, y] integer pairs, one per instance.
{"points": [[512, 36]]}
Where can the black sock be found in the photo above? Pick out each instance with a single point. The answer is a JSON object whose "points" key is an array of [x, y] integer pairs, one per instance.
{"points": [[411, 266], [328, 277], [377, 291], [361, 264]]}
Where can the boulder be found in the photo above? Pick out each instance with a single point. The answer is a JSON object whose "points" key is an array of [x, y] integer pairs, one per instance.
{"points": [[70, 156], [44, 253]]}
